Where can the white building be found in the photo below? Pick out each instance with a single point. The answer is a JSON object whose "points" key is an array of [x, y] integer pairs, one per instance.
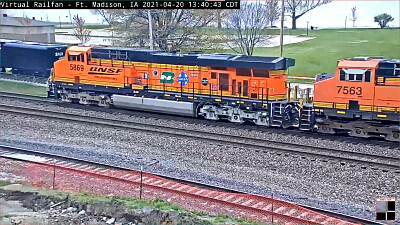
{"points": [[25, 29]]}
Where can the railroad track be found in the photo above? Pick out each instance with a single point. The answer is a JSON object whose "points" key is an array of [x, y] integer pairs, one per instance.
{"points": [[247, 202], [363, 160], [221, 124]]}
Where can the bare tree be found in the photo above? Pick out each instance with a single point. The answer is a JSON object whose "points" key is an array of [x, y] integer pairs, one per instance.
{"points": [[110, 16], [80, 32], [132, 30], [221, 14], [273, 11], [246, 26], [353, 15], [298, 8], [172, 29]]}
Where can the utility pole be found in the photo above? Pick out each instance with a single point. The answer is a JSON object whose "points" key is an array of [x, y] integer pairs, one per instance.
{"points": [[141, 177], [282, 17], [70, 18], [141, 182], [150, 29], [307, 28], [345, 23]]}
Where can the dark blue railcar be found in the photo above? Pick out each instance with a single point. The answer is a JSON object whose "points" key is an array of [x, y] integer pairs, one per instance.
{"points": [[30, 58]]}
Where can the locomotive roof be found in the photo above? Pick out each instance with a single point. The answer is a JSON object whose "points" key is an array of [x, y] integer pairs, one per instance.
{"points": [[195, 58], [371, 62], [78, 48]]}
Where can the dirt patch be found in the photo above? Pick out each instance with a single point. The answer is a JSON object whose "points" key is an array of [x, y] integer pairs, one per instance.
{"points": [[12, 212], [32, 206]]}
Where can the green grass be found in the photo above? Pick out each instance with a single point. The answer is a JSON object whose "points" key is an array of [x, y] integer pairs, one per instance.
{"points": [[91, 27], [22, 88], [94, 27], [4, 183], [320, 55]]}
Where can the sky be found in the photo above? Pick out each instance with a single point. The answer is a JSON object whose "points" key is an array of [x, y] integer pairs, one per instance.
{"points": [[332, 15]]}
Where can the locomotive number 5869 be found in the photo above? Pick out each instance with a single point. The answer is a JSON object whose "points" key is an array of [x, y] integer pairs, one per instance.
{"points": [[76, 67]]}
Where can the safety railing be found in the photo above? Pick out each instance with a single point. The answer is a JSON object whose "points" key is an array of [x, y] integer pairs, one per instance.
{"points": [[215, 91]]}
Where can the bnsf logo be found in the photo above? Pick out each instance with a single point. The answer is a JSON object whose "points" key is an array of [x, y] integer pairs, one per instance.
{"points": [[98, 70]]}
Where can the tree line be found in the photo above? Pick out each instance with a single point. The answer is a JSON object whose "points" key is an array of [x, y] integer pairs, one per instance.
{"points": [[188, 30]]}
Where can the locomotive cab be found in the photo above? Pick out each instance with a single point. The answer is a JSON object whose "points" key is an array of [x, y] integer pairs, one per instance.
{"points": [[362, 89]]}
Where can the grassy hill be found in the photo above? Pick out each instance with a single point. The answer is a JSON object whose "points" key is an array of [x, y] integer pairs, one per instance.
{"points": [[320, 55]]}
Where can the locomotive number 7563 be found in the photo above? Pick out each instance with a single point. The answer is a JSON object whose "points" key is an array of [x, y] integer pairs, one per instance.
{"points": [[349, 90]]}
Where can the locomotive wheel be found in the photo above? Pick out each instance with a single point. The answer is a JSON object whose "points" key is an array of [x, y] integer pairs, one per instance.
{"points": [[104, 102], [236, 119], [83, 101], [64, 98], [325, 128], [394, 136], [358, 132]]}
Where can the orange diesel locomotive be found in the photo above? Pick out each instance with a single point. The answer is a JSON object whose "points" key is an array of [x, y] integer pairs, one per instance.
{"points": [[361, 98], [216, 86]]}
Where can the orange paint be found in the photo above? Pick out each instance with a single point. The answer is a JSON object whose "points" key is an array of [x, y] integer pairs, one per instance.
{"points": [[79, 67]]}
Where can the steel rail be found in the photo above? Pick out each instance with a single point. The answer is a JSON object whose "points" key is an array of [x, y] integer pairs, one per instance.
{"points": [[207, 198], [259, 145], [26, 97], [184, 181], [260, 128]]}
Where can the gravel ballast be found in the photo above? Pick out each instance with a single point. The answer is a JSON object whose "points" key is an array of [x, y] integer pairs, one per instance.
{"points": [[261, 133], [350, 190]]}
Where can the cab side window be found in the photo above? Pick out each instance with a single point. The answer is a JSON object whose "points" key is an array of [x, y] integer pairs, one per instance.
{"points": [[357, 75], [71, 57], [342, 75], [76, 58], [354, 77], [88, 56], [367, 77]]}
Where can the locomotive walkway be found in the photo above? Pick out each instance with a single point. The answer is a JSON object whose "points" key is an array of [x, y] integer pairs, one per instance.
{"points": [[48, 170]]}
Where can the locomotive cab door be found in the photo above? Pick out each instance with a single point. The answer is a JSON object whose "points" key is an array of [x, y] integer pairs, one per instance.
{"points": [[76, 62]]}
